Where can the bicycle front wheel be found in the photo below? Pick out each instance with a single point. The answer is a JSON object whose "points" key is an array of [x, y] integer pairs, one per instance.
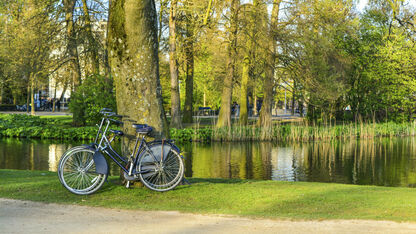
{"points": [[160, 167], [77, 172]]}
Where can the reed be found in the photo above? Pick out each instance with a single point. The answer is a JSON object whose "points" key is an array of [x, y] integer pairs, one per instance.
{"points": [[297, 132]]}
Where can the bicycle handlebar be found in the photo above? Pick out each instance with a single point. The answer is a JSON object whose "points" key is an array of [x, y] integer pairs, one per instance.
{"points": [[107, 112], [111, 114], [116, 121]]}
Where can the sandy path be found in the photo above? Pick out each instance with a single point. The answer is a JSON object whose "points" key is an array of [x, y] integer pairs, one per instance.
{"points": [[34, 217]]}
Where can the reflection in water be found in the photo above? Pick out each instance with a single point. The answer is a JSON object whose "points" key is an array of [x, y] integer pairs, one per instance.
{"points": [[30, 154], [387, 162]]}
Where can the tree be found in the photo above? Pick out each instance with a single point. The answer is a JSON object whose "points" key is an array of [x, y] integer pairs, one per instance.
{"points": [[92, 44], [265, 119], [133, 57], [247, 75], [29, 37], [78, 118], [176, 120], [224, 118], [189, 62]]}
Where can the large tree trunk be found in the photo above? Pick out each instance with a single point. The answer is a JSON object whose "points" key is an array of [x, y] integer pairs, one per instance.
{"points": [[189, 55], [92, 45], [265, 120], [133, 50], [224, 118], [175, 113], [78, 116]]}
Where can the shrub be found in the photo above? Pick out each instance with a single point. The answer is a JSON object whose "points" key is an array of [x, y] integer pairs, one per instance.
{"points": [[95, 93]]}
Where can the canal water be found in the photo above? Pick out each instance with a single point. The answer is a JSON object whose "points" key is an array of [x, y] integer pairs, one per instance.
{"points": [[383, 162]]}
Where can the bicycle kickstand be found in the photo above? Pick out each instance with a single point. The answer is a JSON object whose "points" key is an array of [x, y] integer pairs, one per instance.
{"points": [[131, 168]]}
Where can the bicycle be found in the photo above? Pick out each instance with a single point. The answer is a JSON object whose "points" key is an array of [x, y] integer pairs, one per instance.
{"points": [[157, 164]]}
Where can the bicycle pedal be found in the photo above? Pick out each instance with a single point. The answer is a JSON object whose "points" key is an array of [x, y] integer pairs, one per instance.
{"points": [[128, 184]]}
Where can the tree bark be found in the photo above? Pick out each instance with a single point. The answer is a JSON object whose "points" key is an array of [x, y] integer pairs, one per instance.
{"points": [[175, 113], [265, 119], [133, 57], [32, 94], [247, 64], [92, 45], [28, 96], [292, 111], [244, 87], [189, 55], [78, 118], [1, 91], [224, 118]]}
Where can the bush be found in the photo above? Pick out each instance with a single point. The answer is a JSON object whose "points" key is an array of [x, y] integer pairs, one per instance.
{"points": [[26, 126], [95, 93]]}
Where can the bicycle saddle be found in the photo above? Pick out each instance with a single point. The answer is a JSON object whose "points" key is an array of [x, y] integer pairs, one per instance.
{"points": [[142, 128]]}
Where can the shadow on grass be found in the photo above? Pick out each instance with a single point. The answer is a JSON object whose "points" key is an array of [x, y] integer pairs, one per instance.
{"points": [[215, 181]]}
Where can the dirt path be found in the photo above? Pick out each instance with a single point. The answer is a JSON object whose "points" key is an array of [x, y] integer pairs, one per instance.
{"points": [[34, 217]]}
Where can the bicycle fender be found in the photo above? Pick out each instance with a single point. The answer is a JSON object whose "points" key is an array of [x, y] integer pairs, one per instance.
{"points": [[101, 166]]}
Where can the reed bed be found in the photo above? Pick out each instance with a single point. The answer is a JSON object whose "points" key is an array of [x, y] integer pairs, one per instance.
{"points": [[296, 132]]}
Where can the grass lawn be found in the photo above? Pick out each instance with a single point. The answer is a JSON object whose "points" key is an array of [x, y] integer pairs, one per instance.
{"points": [[264, 199]]}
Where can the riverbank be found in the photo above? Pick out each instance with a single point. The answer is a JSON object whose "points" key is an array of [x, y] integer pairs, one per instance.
{"points": [[59, 127], [248, 198], [23, 217]]}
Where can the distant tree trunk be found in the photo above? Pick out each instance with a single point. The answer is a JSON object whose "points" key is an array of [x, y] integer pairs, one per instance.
{"points": [[54, 99], [1, 92], [133, 50], [265, 120], [243, 92], [78, 118], [247, 64], [28, 96], [92, 45], [189, 55], [292, 111], [176, 121], [224, 118], [61, 97], [32, 94], [106, 63]]}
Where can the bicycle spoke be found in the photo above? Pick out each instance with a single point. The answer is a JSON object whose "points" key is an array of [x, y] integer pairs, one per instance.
{"points": [[77, 172]]}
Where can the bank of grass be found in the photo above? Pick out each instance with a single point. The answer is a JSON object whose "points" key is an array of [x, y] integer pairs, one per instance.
{"points": [[263, 199], [59, 127]]}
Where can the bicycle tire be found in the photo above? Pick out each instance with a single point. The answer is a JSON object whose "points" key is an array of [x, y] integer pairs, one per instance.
{"points": [[160, 171], [76, 171]]}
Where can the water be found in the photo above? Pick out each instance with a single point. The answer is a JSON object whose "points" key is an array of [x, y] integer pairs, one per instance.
{"points": [[384, 162]]}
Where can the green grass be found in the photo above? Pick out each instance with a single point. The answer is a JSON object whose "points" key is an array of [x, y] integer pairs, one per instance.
{"points": [[263, 199]]}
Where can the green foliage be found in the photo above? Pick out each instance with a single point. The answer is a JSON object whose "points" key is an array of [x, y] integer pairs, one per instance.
{"points": [[26, 126], [382, 82], [191, 134], [95, 93]]}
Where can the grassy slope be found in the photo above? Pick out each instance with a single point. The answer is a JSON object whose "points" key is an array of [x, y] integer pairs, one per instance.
{"points": [[271, 199]]}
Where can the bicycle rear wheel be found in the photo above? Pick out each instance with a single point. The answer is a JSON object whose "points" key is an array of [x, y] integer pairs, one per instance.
{"points": [[77, 172], [160, 167]]}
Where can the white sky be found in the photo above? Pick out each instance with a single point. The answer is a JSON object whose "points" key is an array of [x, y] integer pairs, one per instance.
{"points": [[363, 3]]}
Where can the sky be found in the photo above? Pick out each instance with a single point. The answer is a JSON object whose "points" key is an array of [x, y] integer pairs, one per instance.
{"points": [[363, 3]]}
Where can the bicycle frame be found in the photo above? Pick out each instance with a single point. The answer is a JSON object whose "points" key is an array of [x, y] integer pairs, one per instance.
{"points": [[105, 146]]}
